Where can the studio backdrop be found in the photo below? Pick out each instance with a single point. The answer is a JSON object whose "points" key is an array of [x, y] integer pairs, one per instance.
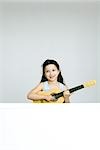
{"points": [[31, 32]]}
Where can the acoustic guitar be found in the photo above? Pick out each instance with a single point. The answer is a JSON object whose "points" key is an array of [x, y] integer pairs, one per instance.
{"points": [[58, 95]]}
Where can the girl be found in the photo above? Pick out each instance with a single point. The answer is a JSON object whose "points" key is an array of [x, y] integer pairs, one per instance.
{"points": [[51, 80]]}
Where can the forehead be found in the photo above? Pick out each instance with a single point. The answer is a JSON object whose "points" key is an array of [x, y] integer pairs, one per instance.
{"points": [[50, 66]]}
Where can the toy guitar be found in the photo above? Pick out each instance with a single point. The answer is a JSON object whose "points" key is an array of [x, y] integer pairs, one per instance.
{"points": [[58, 95]]}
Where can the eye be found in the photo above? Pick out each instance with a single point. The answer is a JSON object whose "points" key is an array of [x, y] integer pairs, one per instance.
{"points": [[53, 70]]}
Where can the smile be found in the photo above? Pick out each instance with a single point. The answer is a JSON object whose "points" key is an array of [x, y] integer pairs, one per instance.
{"points": [[52, 77]]}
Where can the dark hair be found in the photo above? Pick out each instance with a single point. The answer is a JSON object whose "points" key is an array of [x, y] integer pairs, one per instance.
{"points": [[48, 62]]}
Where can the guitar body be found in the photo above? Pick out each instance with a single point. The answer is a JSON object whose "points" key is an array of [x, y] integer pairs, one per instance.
{"points": [[53, 91]]}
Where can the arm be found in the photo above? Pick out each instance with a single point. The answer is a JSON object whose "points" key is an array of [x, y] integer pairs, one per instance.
{"points": [[33, 94]]}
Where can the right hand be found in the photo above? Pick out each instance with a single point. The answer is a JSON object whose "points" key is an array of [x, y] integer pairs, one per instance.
{"points": [[49, 98]]}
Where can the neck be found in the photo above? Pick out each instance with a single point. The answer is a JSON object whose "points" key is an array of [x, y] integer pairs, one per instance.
{"points": [[52, 82]]}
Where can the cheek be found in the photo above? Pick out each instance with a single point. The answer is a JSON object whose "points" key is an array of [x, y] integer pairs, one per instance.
{"points": [[46, 74], [57, 73]]}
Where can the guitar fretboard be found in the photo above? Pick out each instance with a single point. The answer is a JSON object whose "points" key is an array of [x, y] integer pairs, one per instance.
{"points": [[76, 88], [70, 90]]}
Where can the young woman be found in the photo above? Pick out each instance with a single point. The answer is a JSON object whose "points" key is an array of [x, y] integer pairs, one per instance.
{"points": [[51, 80]]}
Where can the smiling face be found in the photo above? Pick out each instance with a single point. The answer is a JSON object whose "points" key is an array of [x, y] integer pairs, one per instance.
{"points": [[51, 72]]}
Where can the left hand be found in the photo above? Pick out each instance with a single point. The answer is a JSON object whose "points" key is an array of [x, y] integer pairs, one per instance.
{"points": [[66, 93]]}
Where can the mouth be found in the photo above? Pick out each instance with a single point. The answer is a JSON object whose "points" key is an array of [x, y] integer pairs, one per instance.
{"points": [[52, 77]]}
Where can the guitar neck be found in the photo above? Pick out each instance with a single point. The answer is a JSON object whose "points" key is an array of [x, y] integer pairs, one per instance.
{"points": [[70, 90], [76, 88]]}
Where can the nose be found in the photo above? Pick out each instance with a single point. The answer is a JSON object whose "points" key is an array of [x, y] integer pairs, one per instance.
{"points": [[50, 73]]}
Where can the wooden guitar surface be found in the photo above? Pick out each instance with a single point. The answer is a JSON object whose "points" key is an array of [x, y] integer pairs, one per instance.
{"points": [[59, 100]]}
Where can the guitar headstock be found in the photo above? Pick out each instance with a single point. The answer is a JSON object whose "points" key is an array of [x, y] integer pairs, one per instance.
{"points": [[89, 83]]}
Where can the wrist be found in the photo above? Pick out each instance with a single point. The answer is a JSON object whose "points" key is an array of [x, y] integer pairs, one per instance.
{"points": [[45, 97]]}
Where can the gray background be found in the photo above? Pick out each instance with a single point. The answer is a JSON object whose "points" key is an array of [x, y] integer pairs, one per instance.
{"points": [[31, 32]]}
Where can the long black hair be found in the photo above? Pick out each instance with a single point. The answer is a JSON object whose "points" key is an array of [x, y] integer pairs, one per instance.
{"points": [[48, 62]]}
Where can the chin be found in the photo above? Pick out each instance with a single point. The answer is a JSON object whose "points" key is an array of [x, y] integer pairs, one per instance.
{"points": [[52, 80]]}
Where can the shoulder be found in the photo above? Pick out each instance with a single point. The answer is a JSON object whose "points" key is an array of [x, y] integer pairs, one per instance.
{"points": [[35, 89], [62, 86], [43, 84], [38, 87]]}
